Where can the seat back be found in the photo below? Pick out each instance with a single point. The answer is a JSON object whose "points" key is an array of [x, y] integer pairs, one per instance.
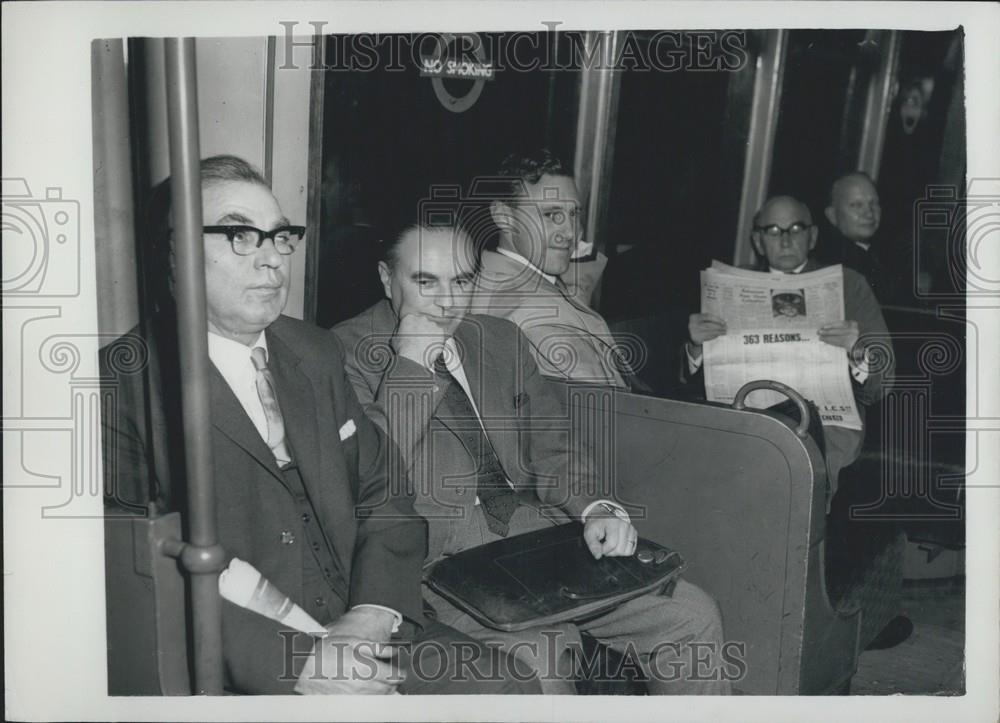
{"points": [[742, 497], [146, 606]]}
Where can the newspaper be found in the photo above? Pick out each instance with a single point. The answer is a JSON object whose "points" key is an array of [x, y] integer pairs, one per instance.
{"points": [[772, 322]]}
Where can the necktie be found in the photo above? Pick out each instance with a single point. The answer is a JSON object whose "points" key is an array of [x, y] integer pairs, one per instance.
{"points": [[497, 499], [272, 412]]}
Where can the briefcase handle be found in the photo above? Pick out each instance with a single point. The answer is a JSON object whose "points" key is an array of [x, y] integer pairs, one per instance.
{"points": [[739, 402]]}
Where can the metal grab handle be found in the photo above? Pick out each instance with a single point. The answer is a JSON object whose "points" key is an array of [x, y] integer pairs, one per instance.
{"points": [[739, 402]]}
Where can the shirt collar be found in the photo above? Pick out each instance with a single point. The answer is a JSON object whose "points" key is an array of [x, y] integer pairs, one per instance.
{"points": [[862, 245], [231, 357], [796, 270], [451, 356], [521, 260]]}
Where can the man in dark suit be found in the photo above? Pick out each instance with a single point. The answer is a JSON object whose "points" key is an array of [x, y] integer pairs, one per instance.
{"points": [[783, 237], [464, 400], [306, 487], [854, 239]]}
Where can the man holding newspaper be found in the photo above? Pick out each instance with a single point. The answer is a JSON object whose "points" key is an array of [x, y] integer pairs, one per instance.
{"points": [[820, 331]]}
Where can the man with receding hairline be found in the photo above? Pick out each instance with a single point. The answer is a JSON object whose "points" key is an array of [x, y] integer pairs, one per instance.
{"points": [[855, 215], [307, 490], [783, 237], [463, 398]]}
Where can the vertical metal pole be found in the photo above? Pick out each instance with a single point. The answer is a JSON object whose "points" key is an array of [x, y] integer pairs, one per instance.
{"points": [[760, 141], [596, 127], [878, 103], [202, 557], [118, 304], [314, 184]]}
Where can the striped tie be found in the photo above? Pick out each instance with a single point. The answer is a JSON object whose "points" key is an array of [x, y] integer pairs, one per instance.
{"points": [[272, 412], [497, 499]]}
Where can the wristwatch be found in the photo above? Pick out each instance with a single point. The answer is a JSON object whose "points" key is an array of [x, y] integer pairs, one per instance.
{"points": [[614, 510]]}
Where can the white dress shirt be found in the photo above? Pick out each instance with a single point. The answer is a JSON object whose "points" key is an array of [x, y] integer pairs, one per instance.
{"points": [[521, 260], [233, 361]]}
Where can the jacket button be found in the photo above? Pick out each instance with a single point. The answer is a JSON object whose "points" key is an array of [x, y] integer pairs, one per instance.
{"points": [[316, 546], [460, 491], [306, 517], [287, 538], [320, 602]]}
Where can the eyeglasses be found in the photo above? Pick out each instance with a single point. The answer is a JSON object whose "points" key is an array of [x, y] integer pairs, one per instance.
{"points": [[245, 240], [557, 214], [774, 231]]}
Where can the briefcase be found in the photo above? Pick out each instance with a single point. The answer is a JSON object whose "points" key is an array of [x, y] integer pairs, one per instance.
{"points": [[549, 577]]}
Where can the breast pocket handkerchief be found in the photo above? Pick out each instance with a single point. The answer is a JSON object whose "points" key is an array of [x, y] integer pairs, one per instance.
{"points": [[347, 430]]}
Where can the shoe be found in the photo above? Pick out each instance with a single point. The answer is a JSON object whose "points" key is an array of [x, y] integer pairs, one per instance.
{"points": [[896, 631]]}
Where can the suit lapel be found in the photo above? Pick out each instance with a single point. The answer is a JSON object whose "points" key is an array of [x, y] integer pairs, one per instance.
{"points": [[320, 468], [478, 368], [297, 400], [229, 417], [485, 377]]}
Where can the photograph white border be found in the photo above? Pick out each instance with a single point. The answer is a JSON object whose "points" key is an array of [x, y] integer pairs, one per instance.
{"points": [[55, 662]]}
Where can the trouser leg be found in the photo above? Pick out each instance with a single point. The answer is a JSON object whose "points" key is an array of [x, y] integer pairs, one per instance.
{"points": [[676, 640], [545, 652], [842, 447], [444, 661]]}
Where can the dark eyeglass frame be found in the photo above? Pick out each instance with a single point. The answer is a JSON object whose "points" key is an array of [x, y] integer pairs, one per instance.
{"points": [[284, 248], [572, 211], [796, 229]]}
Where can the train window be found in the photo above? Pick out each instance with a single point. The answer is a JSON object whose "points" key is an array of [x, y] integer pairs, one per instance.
{"points": [[392, 134], [664, 222], [925, 145], [826, 75]]}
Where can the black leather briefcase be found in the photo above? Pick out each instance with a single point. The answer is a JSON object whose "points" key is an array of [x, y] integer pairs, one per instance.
{"points": [[547, 577]]}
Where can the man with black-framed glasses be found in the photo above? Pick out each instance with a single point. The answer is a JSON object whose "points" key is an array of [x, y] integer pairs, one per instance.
{"points": [[784, 237], [307, 490]]}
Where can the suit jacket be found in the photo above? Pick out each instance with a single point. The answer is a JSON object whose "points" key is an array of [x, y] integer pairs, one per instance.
{"points": [[568, 339], [860, 305], [523, 416], [836, 248], [377, 541]]}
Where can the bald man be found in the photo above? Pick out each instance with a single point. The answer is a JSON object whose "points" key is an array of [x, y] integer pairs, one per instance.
{"points": [[855, 216], [784, 236]]}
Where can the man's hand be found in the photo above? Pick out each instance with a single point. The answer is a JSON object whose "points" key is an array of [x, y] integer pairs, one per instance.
{"points": [[702, 328], [353, 658], [842, 333], [420, 338], [364, 623], [609, 537]]}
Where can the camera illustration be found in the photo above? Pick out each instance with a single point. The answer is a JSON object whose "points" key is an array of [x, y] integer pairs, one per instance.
{"points": [[447, 206], [957, 241], [41, 242], [492, 205]]}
